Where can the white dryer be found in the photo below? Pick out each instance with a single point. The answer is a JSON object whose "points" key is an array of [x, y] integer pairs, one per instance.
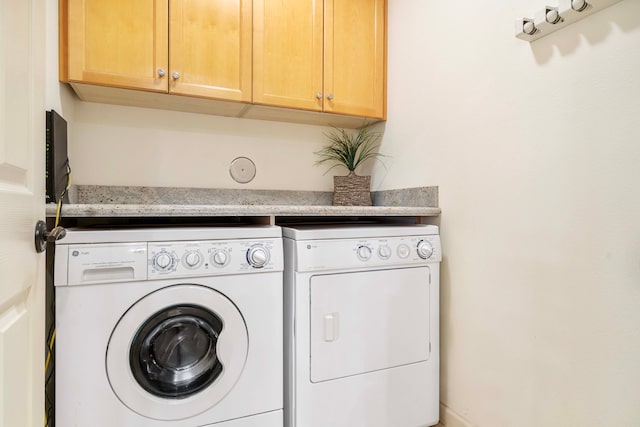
{"points": [[177, 327], [361, 326]]}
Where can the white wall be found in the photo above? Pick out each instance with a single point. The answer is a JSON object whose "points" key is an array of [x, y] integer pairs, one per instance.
{"points": [[115, 145], [536, 149]]}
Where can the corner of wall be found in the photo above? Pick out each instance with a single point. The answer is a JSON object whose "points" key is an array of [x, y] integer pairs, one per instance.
{"points": [[448, 418]]}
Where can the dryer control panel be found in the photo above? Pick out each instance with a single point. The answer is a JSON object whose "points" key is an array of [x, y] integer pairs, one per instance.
{"points": [[314, 255]]}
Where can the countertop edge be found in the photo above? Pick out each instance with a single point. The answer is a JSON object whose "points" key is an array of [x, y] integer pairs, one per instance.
{"points": [[171, 210]]}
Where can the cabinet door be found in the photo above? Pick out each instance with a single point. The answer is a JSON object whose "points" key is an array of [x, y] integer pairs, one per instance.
{"points": [[287, 59], [210, 48], [115, 43], [355, 57]]}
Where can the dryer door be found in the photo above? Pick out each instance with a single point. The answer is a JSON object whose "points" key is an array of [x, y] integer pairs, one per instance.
{"points": [[366, 321], [177, 352]]}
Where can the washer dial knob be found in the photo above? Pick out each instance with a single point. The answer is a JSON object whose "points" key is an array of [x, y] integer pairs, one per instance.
{"points": [[257, 256], [363, 252], [163, 261], [220, 258], [384, 252], [425, 249], [192, 259]]}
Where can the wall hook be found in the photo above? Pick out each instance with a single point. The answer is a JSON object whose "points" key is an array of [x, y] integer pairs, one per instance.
{"points": [[551, 18]]}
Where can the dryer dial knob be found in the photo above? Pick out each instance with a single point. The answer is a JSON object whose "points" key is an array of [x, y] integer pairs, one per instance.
{"points": [[384, 252], [257, 256], [163, 261], [363, 252], [403, 251], [425, 249], [192, 259], [220, 258]]}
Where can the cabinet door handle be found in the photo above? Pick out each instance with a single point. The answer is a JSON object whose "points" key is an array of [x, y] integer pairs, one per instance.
{"points": [[330, 97], [319, 95], [161, 72], [175, 75]]}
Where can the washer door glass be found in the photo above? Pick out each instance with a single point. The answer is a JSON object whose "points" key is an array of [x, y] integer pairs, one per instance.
{"points": [[177, 352], [174, 352]]}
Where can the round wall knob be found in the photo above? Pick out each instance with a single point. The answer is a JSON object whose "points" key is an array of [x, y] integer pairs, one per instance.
{"points": [[161, 72], [330, 97], [175, 75], [242, 170], [319, 95]]}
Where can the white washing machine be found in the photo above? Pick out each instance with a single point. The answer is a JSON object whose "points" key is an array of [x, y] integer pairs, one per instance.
{"points": [[177, 327], [361, 326]]}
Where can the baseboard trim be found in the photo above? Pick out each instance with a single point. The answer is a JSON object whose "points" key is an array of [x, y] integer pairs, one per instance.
{"points": [[448, 418]]}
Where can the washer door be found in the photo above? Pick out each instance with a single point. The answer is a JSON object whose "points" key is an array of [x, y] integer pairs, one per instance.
{"points": [[177, 352]]}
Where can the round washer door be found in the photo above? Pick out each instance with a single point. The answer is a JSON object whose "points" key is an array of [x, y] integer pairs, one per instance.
{"points": [[177, 352]]}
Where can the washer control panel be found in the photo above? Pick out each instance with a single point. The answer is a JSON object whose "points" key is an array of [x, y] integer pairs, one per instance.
{"points": [[370, 252], [179, 259]]}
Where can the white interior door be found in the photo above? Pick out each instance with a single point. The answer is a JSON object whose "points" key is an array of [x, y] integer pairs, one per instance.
{"points": [[22, 284]]}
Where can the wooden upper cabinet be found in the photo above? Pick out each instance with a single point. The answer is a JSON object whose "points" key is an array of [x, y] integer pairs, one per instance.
{"points": [[119, 43], [355, 57], [188, 47], [287, 53], [304, 57], [210, 48], [321, 55]]}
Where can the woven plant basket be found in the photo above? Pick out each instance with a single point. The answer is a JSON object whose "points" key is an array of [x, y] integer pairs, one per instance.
{"points": [[352, 190]]}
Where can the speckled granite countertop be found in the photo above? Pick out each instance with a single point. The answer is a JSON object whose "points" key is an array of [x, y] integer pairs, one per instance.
{"points": [[106, 201]]}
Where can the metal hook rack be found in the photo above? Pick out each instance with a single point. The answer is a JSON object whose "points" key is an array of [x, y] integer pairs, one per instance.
{"points": [[551, 19]]}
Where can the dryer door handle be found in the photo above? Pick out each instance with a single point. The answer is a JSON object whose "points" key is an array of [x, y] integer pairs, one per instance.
{"points": [[331, 326]]}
